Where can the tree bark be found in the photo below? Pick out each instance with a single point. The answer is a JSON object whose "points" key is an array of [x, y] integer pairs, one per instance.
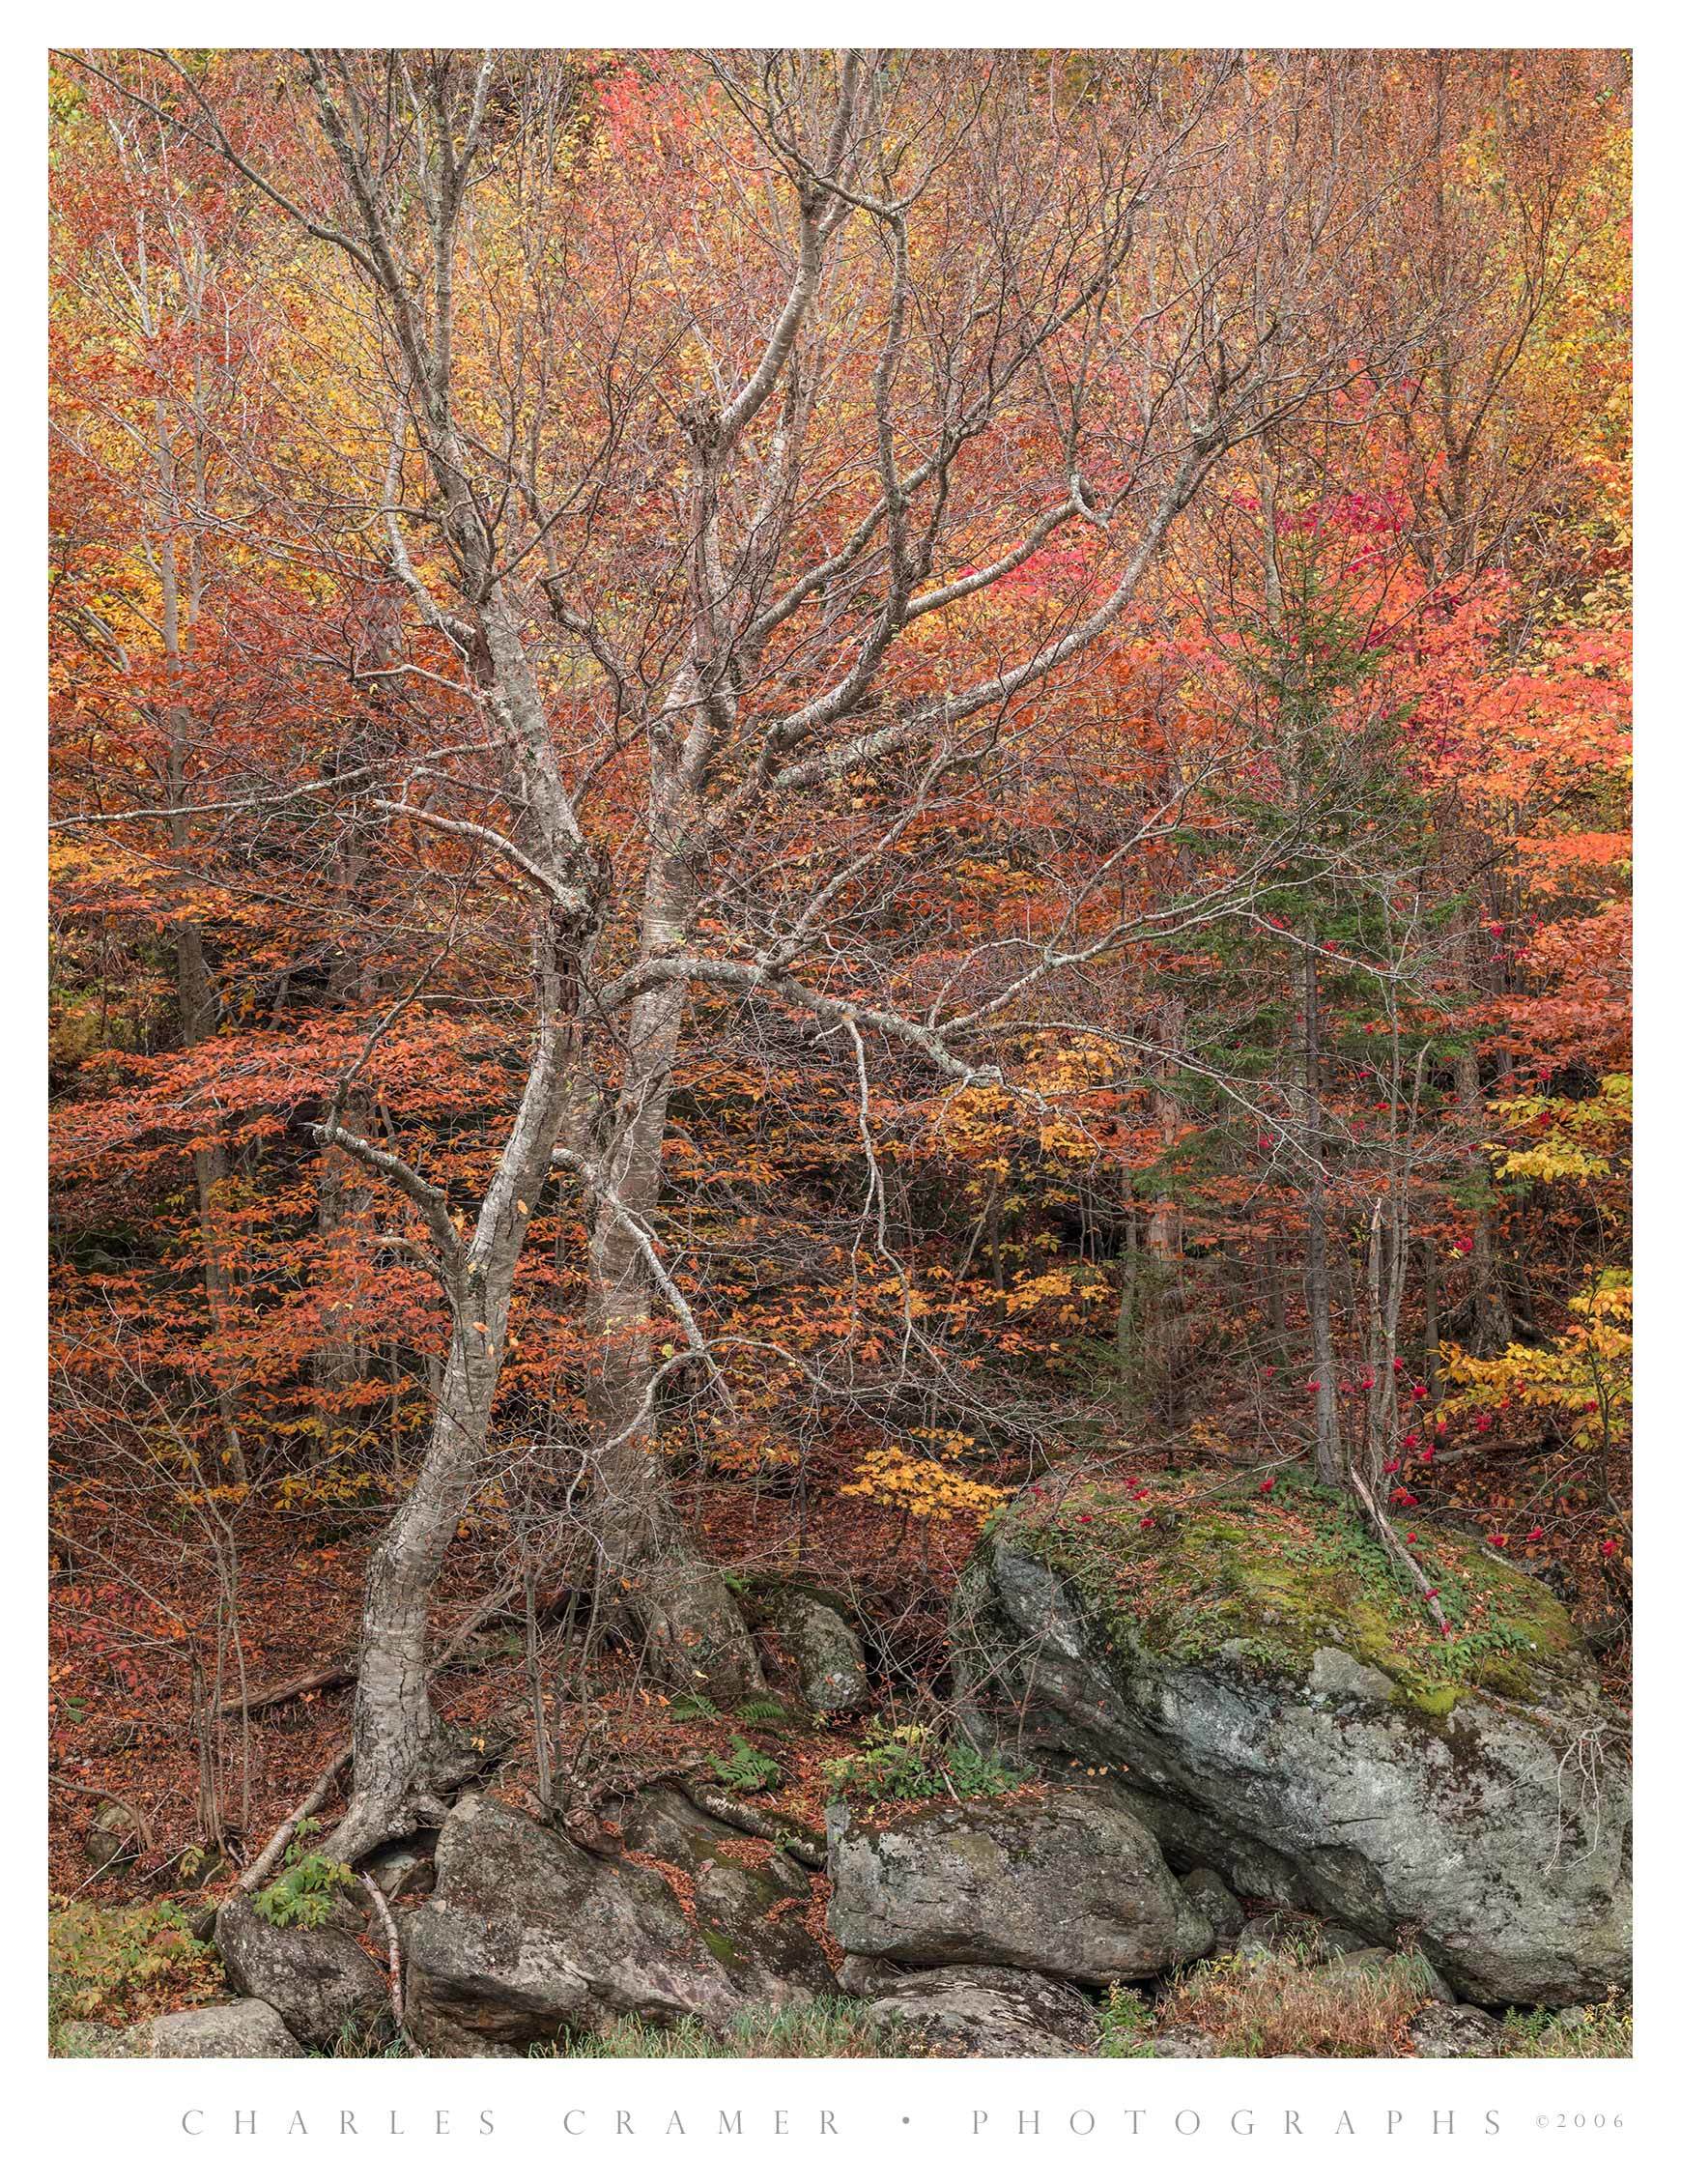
{"points": [[400, 1749], [1491, 1314], [690, 1627]]}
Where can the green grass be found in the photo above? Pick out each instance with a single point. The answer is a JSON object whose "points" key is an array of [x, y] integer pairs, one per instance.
{"points": [[819, 2031], [1599, 2031]]}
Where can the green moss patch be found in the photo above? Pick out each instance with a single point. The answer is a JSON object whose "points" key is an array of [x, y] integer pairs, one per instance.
{"points": [[728, 1952], [1268, 1578]]}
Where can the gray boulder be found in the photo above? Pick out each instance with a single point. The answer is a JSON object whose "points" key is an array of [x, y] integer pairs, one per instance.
{"points": [[1206, 1892], [1062, 1881], [827, 1657], [527, 1935], [242, 2030], [1454, 2032], [319, 1980], [1175, 2046], [112, 1842], [1265, 1708], [964, 2010]]}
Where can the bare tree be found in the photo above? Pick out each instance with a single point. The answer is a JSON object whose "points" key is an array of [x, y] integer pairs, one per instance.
{"points": [[685, 515]]}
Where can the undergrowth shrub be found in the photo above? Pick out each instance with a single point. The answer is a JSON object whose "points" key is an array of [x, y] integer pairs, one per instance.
{"points": [[1126, 2023], [110, 1965], [1596, 2031], [910, 1762], [1280, 2004], [304, 1892]]}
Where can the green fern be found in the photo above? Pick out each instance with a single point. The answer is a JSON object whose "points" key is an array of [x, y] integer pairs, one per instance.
{"points": [[746, 1767], [909, 1762]]}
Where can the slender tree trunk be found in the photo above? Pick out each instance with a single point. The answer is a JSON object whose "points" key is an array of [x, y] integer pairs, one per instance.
{"points": [[1491, 1314], [402, 1756], [1328, 1452], [1432, 1320], [195, 995], [1277, 1325], [341, 1357]]}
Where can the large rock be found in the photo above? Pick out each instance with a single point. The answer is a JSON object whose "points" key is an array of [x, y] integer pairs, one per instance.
{"points": [[965, 2010], [828, 1659], [242, 2030], [319, 1978], [527, 1935], [238, 2031], [1207, 1893], [1062, 1881], [1454, 2032], [111, 1843], [1272, 1703]]}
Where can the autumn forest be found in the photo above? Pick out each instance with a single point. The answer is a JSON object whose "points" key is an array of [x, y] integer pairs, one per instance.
{"points": [[840, 970]]}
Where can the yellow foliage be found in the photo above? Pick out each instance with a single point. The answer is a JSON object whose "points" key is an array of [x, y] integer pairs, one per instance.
{"points": [[1587, 1373], [747, 1458], [330, 1488], [1577, 1139], [921, 1487]]}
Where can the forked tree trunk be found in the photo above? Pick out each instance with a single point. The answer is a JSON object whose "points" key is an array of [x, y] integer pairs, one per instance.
{"points": [[400, 1758]]}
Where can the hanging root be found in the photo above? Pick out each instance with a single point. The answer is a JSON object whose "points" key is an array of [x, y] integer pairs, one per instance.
{"points": [[393, 1959]]}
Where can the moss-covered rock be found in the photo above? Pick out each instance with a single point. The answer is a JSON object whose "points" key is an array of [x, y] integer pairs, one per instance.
{"points": [[1276, 1702], [1281, 1578]]}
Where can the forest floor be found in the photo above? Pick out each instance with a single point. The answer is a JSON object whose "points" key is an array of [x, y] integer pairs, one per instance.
{"points": [[128, 1623], [122, 1667]]}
